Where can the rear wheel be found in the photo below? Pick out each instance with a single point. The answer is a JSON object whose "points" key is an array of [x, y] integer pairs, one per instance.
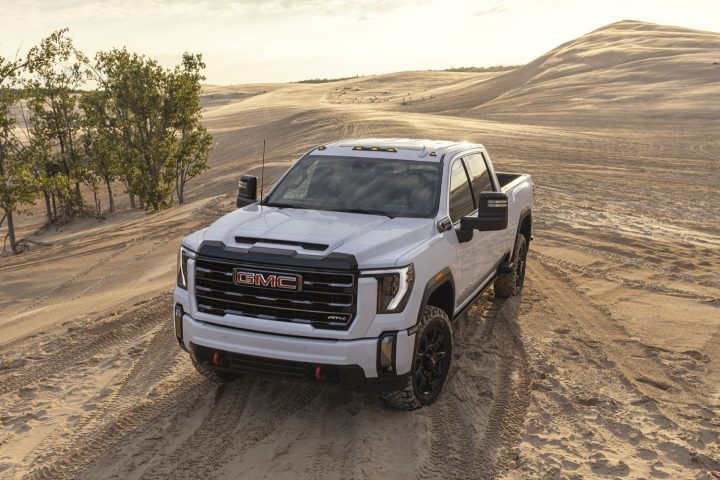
{"points": [[431, 363], [509, 284]]}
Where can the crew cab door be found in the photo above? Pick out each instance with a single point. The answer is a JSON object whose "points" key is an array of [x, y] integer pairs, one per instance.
{"points": [[474, 261], [479, 169]]}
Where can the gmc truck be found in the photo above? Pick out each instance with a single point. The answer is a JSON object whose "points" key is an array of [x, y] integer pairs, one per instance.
{"points": [[350, 271]]}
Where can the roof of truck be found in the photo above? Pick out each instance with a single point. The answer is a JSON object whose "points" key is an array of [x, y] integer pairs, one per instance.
{"points": [[401, 148]]}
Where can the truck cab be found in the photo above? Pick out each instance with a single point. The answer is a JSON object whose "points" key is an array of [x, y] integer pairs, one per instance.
{"points": [[351, 269]]}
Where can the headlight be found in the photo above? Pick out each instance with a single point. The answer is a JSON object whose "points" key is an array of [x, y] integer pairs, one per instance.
{"points": [[394, 287], [182, 267]]}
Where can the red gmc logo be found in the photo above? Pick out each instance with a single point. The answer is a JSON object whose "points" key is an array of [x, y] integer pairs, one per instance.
{"points": [[267, 280]]}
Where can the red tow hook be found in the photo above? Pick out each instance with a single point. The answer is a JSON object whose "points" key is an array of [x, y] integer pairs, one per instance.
{"points": [[320, 374], [216, 358]]}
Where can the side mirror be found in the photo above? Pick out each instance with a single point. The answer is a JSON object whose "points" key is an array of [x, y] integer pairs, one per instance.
{"points": [[247, 190], [492, 213]]}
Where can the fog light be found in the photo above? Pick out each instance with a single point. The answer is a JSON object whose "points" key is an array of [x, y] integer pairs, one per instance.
{"points": [[386, 353], [179, 323]]}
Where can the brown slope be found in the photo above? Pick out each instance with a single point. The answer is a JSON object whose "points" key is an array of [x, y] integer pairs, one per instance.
{"points": [[630, 67]]}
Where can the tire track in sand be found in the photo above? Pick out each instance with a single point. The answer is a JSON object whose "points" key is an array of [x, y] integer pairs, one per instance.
{"points": [[129, 408], [477, 421], [235, 423], [112, 335]]}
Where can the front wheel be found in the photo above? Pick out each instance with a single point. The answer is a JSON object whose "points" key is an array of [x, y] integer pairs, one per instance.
{"points": [[509, 284], [430, 365]]}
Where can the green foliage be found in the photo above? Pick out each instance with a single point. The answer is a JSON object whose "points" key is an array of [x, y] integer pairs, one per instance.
{"points": [[17, 182], [141, 125], [101, 146], [56, 69], [156, 113]]}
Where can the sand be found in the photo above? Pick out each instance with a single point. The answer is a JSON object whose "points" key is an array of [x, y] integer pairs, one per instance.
{"points": [[608, 365]]}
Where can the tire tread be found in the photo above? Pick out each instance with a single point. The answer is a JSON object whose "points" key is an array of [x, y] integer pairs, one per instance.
{"points": [[505, 284], [405, 398]]}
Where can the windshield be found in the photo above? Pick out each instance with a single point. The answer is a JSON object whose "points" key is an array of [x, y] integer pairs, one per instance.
{"points": [[395, 188]]}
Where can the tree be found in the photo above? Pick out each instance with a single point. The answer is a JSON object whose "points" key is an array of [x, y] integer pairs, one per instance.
{"points": [[191, 159], [45, 165], [194, 141], [100, 144], [156, 114], [17, 184], [57, 71]]}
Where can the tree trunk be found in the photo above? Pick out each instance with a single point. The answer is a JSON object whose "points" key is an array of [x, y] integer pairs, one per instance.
{"points": [[79, 198], [110, 195], [11, 231], [142, 203], [132, 200], [54, 207], [98, 212], [48, 208], [180, 187]]}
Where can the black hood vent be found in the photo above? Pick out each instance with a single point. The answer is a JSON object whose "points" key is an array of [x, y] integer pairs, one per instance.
{"points": [[318, 247]]}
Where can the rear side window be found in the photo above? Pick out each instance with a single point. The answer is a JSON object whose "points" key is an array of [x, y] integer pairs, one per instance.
{"points": [[461, 201], [479, 175]]}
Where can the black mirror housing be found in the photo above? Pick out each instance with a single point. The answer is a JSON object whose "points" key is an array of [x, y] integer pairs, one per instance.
{"points": [[247, 190], [492, 213]]}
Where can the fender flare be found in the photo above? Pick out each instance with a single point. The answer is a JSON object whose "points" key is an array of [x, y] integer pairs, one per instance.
{"points": [[432, 285], [525, 213]]}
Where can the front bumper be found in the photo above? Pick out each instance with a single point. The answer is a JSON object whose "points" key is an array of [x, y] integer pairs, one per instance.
{"points": [[346, 376], [347, 363]]}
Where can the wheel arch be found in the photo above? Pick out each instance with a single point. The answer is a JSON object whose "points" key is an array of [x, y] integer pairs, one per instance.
{"points": [[440, 292], [525, 224], [524, 227]]}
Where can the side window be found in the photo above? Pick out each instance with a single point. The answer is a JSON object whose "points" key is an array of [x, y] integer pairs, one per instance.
{"points": [[479, 175], [461, 201]]}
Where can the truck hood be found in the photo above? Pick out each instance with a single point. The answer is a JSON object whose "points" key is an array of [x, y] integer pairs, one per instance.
{"points": [[375, 241]]}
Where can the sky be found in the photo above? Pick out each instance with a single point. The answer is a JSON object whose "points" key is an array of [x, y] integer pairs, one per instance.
{"points": [[288, 40]]}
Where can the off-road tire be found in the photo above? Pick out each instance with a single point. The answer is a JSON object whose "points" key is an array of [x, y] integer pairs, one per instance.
{"points": [[218, 377], [409, 398], [509, 284]]}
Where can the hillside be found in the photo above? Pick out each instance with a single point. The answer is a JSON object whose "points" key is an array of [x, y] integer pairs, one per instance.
{"points": [[626, 68]]}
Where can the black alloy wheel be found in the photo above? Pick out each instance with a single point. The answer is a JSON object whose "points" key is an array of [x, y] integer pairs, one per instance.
{"points": [[431, 362]]}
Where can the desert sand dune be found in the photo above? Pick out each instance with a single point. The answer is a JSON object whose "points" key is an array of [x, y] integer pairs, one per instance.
{"points": [[607, 366], [632, 68]]}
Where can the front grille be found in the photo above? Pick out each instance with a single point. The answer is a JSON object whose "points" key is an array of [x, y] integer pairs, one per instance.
{"points": [[326, 300]]}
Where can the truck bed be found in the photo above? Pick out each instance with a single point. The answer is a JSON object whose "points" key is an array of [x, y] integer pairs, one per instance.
{"points": [[508, 181]]}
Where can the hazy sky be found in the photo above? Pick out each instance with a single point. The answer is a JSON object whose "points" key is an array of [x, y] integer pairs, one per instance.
{"points": [[285, 40]]}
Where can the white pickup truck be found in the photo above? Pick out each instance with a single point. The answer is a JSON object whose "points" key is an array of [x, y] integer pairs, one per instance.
{"points": [[350, 271]]}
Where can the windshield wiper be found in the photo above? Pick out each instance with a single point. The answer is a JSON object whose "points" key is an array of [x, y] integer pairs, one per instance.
{"points": [[367, 211]]}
